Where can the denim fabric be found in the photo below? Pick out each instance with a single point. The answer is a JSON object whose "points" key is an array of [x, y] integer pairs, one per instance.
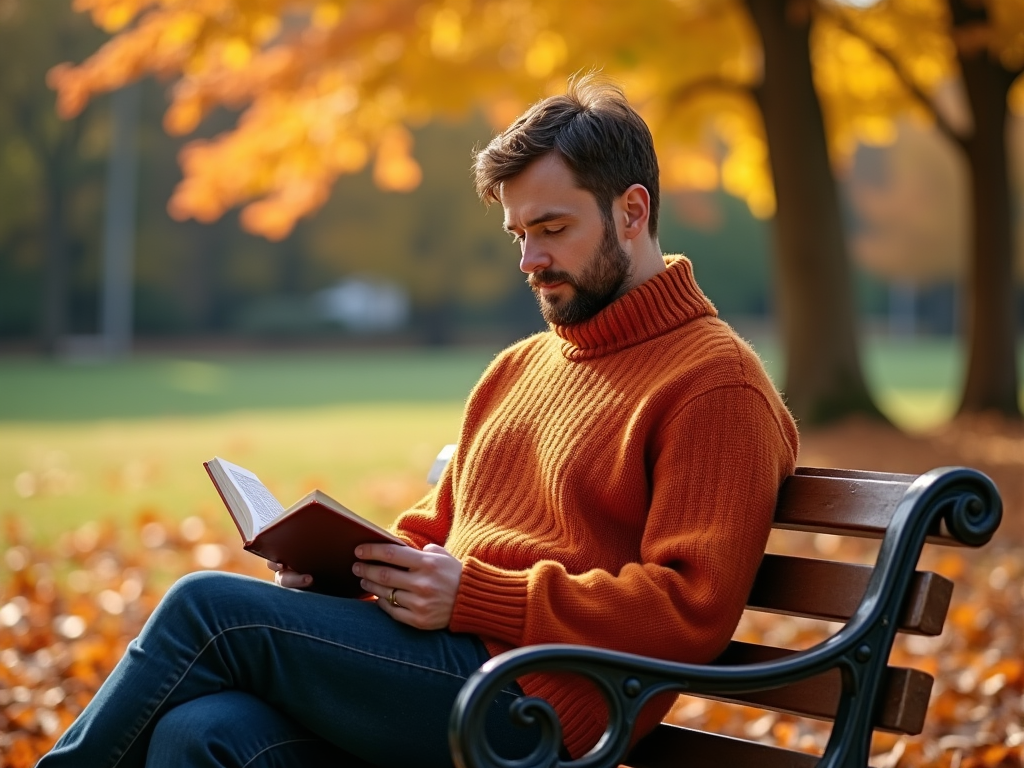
{"points": [[234, 671]]}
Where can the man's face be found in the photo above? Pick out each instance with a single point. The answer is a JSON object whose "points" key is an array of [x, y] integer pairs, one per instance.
{"points": [[570, 251]]}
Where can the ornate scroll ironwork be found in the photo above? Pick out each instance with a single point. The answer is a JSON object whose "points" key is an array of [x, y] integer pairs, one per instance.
{"points": [[963, 500]]}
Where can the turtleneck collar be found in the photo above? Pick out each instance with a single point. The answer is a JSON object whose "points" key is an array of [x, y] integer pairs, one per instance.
{"points": [[656, 306]]}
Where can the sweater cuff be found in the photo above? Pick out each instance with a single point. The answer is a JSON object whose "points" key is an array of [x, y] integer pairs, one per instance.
{"points": [[490, 602]]}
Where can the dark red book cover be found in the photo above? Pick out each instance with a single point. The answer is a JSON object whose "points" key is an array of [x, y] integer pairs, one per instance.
{"points": [[315, 539], [316, 535]]}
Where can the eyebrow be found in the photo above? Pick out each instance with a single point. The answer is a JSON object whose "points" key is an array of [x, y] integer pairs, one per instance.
{"points": [[541, 219]]}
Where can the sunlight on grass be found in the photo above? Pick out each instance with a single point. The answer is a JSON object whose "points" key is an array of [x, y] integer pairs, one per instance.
{"points": [[372, 457], [81, 443], [917, 410], [920, 410]]}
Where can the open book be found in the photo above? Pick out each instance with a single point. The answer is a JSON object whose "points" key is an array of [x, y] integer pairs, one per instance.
{"points": [[315, 535]]}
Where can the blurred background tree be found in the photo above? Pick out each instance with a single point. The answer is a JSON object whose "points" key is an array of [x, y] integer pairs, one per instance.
{"points": [[288, 98], [52, 178], [971, 52]]}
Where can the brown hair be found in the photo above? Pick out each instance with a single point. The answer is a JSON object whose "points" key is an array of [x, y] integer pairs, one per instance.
{"points": [[604, 142]]}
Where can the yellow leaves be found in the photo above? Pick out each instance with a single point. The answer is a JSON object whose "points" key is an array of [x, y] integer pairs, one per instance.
{"points": [[324, 92], [265, 27], [112, 15], [116, 18], [928, 72], [396, 170], [1008, 23], [744, 175], [864, 61], [349, 155], [876, 130], [326, 15], [689, 169], [274, 216], [184, 114], [236, 53], [181, 29], [193, 198], [744, 168], [446, 33], [1016, 97], [547, 51], [388, 48], [502, 111], [282, 159]]}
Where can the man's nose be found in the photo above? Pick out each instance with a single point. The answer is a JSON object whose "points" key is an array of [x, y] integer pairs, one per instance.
{"points": [[533, 258]]}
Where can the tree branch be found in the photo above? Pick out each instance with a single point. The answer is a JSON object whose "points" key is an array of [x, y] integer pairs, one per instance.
{"points": [[945, 127], [711, 84]]}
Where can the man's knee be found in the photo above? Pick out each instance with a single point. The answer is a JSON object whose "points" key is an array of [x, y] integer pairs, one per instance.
{"points": [[197, 602], [193, 734], [195, 590], [231, 729]]}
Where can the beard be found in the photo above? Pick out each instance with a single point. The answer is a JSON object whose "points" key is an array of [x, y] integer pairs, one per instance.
{"points": [[600, 283]]}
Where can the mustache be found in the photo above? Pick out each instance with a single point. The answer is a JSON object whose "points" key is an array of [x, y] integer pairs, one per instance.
{"points": [[548, 277]]}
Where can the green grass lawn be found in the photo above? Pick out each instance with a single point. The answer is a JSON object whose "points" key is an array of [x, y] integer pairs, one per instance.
{"points": [[80, 442], [33, 390], [916, 382]]}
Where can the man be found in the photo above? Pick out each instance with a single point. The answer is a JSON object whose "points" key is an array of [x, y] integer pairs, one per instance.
{"points": [[613, 485]]}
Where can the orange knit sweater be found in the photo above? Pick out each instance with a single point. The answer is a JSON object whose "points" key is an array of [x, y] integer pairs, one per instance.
{"points": [[613, 486]]}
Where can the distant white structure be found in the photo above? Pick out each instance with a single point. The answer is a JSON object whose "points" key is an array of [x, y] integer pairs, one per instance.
{"points": [[364, 305]]}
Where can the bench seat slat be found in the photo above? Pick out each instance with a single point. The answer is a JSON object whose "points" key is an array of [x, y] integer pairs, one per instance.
{"points": [[824, 589], [905, 691], [672, 746]]}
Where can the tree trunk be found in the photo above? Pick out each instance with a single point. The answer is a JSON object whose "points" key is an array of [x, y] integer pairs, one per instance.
{"points": [[992, 383], [823, 381], [118, 294], [54, 307]]}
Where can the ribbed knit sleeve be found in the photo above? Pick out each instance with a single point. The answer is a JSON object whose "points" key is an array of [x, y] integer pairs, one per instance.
{"points": [[429, 520], [707, 525], [716, 471]]}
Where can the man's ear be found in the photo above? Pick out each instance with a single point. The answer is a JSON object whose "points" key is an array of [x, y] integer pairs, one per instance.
{"points": [[635, 203]]}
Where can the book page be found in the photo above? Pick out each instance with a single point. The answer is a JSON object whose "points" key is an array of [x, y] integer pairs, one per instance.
{"points": [[265, 508]]}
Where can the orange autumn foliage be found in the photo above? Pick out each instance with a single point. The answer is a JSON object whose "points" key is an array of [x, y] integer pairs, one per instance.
{"points": [[68, 611], [326, 86]]}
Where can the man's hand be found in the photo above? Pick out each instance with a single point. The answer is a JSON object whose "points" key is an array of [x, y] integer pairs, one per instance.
{"points": [[424, 592], [285, 577]]}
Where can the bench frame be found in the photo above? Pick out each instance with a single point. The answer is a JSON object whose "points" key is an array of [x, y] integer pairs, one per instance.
{"points": [[953, 505]]}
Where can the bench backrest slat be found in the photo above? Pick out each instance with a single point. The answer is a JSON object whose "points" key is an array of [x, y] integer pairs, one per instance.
{"points": [[905, 691], [856, 474], [846, 506], [824, 589]]}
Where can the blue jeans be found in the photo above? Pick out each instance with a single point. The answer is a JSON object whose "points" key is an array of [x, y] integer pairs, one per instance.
{"points": [[234, 671]]}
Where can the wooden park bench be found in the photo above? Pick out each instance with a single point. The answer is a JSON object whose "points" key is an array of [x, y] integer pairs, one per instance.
{"points": [[845, 678]]}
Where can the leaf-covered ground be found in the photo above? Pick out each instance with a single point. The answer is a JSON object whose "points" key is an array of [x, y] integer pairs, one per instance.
{"points": [[68, 610]]}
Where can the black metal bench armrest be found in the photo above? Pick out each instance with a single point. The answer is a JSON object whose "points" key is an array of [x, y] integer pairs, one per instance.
{"points": [[964, 500]]}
